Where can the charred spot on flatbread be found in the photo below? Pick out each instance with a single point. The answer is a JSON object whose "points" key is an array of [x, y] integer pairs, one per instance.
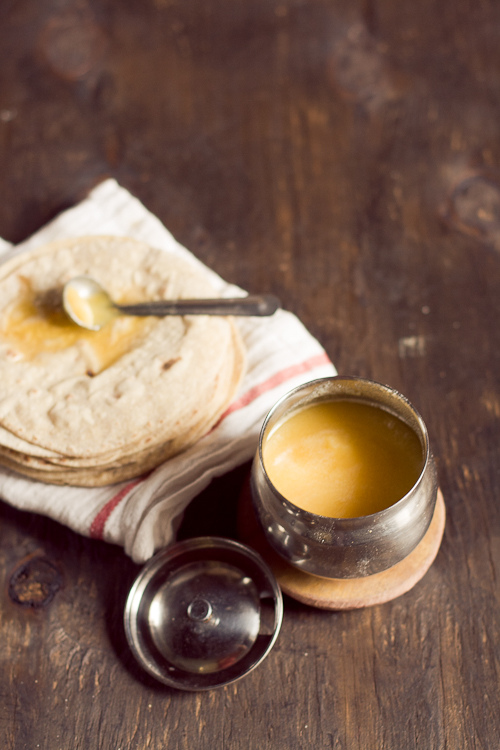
{"points": [[170, 363]]}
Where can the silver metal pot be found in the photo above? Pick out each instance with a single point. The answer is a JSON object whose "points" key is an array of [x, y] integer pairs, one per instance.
{"points": [[345, 547]]}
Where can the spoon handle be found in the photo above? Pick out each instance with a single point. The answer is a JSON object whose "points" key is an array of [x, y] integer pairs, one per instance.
{"points": [[258, 305]]}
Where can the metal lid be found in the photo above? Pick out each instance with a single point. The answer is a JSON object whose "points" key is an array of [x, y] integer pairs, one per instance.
{"points": [[203, 613]]}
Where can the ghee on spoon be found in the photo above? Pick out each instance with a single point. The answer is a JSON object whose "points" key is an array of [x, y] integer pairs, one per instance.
{"points": [[91, 307]]}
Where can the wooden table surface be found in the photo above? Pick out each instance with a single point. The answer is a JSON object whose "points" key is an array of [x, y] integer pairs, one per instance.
{"points": [[344, 155]]}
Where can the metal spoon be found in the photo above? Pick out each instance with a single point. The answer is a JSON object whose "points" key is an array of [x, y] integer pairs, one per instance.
{"points": [[90, 306]]}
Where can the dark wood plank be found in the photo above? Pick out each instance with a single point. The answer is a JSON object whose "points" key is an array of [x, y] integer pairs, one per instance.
{"points": [[344, 155]]}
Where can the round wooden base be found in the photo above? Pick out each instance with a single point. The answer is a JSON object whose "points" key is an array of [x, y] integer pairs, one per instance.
{"points": [[345, 593]]}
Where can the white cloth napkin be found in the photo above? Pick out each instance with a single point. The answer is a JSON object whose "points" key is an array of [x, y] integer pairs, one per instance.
{"points": [[143, 515]]}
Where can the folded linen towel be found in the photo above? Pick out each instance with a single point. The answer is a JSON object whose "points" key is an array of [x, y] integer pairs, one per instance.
{"points": [[142, 515]]}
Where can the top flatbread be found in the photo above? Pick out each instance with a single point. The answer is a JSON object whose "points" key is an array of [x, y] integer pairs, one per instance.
{"points": [[166, 384]]}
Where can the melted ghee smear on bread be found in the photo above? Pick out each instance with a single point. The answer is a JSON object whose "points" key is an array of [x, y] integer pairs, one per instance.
{"points": [[33, 326]]}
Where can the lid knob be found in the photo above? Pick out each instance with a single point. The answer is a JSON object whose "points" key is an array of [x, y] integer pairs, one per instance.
{"points": [[200, 610]]}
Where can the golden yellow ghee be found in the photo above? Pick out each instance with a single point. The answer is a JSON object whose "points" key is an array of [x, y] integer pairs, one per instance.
{"points": [[342, 459], [95, 310], [33, 326]]}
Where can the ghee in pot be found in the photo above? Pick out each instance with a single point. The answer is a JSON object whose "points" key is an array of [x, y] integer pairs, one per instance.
{"points": [[342, 458]]}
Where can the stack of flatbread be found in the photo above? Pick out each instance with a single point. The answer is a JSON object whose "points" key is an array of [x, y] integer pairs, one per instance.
{"points": [[91, 408]]}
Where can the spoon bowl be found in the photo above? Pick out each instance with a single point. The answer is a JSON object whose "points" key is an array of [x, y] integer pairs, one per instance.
{"points": [[90, 306]]}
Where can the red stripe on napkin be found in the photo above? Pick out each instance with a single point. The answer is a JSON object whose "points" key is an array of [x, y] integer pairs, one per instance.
{"points": [[277, 379], [96, 530], [97, 526]]}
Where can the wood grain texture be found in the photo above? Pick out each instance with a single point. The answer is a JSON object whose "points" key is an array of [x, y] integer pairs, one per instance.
{"points": [[344, 155]]}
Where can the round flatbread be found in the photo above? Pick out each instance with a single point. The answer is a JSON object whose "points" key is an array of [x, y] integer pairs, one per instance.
{"points": [[90, 405]]}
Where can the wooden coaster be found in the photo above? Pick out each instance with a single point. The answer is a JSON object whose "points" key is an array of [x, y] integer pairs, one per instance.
{"points": [[344, 593]]}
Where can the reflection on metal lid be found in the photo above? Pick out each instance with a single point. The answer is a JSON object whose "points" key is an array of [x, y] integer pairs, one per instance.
{"points": [[203, 613]]}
